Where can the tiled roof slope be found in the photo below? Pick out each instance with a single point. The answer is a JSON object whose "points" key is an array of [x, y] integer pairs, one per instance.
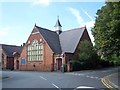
{"points": [[10, 49], [51, 38], [70, 39], [67, 41]]}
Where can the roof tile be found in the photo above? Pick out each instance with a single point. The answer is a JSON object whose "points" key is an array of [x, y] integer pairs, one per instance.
{"points": [[10, 49]]}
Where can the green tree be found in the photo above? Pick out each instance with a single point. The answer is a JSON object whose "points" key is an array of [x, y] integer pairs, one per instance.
{"points": [[107, 30], [87, 54]]}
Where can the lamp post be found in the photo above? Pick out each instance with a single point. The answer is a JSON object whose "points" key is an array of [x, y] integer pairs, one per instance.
{"points": [[62, 67]]}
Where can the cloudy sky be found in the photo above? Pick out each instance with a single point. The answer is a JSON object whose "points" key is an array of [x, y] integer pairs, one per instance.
{"points": [[19, 17]]}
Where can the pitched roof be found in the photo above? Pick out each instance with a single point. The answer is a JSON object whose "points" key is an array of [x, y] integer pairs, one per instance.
{"points": [[67, 41], [51, 38], [70, 39], [10, 49]]}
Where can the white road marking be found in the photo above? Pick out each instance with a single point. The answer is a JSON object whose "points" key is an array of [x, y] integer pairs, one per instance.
{"points": [[75, 74], [97, 78], [91, 77], [52, 83], [43, 78], [56, 86], [84, 87], [87, 76], [80, 74]]}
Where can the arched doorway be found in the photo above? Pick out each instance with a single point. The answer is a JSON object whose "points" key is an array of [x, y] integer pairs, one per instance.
{"points": [[59, 63]]}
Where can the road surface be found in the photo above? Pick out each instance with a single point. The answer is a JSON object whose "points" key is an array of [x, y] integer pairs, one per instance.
{"points": [[56, 80]]}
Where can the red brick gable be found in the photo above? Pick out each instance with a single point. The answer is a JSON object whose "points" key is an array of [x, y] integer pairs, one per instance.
{"points": [[34, 36], [35, 30], [47, 53], [85, 36]]}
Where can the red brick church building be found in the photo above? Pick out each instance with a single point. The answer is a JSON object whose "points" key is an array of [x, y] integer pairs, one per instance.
{"points": [[49, 50]]}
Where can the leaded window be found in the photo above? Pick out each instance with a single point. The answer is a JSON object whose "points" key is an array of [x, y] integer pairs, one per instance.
{"points": [[35, 51]]}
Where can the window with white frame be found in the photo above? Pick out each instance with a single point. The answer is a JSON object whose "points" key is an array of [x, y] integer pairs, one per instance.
{"points": [[35, 51]]}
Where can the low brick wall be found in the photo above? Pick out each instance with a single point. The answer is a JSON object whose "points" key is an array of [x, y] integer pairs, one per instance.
{"points": [[35, 68]]}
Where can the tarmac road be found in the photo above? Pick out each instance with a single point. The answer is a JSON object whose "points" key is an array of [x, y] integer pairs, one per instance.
{"points": [[56, 80]]}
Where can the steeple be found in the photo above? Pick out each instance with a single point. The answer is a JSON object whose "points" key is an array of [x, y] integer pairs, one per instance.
{"points": [[35, 25], [58, 26]]}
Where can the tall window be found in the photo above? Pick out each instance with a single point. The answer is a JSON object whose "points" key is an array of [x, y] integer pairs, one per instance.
{"points": [[35, 51]]}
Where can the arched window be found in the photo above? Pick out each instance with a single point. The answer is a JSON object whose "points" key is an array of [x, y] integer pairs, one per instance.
{"points": [[35, 51], [35, 42]]}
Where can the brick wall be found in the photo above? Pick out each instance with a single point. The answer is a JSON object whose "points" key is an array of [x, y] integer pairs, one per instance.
{"points": [[47, 55], [16, 61], [4, 64]]}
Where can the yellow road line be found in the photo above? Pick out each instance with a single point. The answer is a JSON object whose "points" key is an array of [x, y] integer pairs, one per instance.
{"points": [[107, 83]]}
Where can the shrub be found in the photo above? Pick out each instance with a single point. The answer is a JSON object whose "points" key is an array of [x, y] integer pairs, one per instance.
{"points": [[75, 65], [65, 67], [88, 55]]}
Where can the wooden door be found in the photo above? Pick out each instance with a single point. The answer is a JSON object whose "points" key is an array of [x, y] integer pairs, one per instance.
{"points": [[17, 64], [59, 63]]}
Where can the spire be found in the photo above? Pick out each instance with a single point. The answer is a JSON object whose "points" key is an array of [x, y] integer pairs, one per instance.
{"points": [[58, 23], [85, 27], [58, 26], [35, 25]]}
